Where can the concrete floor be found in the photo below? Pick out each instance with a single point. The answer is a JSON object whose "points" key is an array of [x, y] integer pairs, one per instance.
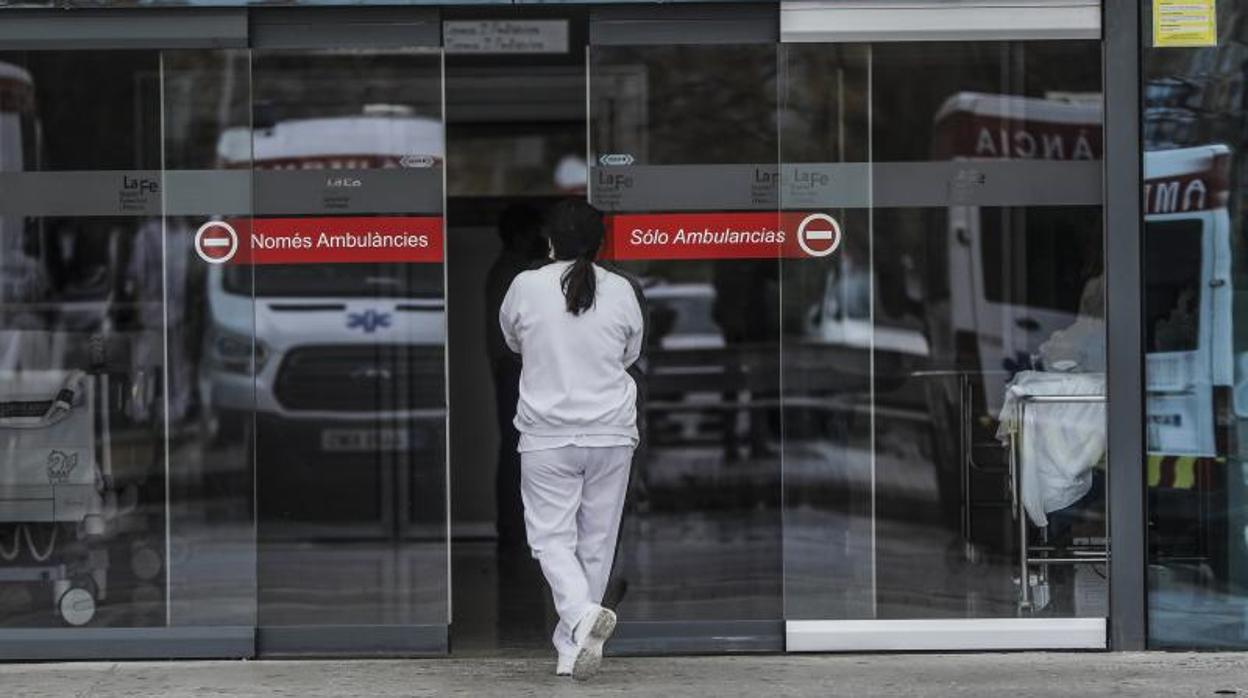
{"points": [[1035, 674]]}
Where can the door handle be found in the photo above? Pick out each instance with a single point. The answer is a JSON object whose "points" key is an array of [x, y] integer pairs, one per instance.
{"points": [[1027, 323]]}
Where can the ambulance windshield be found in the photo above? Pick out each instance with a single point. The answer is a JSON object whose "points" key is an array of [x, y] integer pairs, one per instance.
{"points": [[1172, 265], [1040, 257]]}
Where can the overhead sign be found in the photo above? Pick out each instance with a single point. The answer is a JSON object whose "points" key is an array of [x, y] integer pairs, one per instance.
{"points": [[726, 235], [1185, 23], [500, 36], [346, 239], [216, 242]]}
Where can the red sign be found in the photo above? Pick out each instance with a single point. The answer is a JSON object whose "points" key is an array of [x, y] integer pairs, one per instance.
{"points": [[341, 240], [216, 242], [699, 235], [819, 235]]}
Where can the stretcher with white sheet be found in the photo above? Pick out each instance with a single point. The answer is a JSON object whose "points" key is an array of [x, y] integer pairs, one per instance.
{"points": [[1053, 424], [1045, 445]]}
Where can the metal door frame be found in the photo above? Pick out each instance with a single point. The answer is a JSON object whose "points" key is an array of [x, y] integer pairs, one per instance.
{"points": [[1118, 26]]}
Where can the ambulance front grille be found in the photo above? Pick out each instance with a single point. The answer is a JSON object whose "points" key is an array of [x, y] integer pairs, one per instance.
{"points": [[362, 378]]}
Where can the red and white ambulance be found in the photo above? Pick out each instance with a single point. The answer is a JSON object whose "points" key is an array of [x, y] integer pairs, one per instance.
{"points": [[1196, 387], [347, 371]]}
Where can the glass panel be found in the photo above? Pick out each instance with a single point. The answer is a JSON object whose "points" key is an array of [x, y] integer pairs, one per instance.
{"points": [[827, 314], [350, 318], [120, 505], [1194, 355], [209, 338], [683, 148], [966, 291]]}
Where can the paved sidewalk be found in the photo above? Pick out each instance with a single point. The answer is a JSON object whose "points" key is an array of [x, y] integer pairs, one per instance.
{"points": [[1010, 675]]}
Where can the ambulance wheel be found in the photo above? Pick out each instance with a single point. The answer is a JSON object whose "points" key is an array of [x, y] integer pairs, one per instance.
{"points": [[76, 606]]}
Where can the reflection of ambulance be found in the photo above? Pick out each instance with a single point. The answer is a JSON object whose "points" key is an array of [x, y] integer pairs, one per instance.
{"points": [[1003, 262], [1196, 390], [384, 136], [1193, 398], [348, 357], [1187, 264]]}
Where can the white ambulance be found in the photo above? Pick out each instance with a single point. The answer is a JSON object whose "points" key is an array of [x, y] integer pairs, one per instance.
{"points": [[1017, 275], [1188, 327], [349, 358], [1188, 321]]}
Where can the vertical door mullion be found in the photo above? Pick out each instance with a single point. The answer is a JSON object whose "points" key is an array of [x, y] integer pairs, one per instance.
{"points": [[1123, 325]]}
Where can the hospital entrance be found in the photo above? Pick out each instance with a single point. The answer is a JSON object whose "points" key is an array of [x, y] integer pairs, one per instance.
{"points": [[251, 384]]}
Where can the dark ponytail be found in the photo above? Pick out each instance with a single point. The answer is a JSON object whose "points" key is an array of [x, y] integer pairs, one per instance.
{"points": [[576, 230]]}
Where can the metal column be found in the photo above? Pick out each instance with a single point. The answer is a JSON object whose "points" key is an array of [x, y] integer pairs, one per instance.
{"points": [[1124, 326]]}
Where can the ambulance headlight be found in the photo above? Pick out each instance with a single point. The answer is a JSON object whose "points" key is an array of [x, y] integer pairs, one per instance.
{"points": [[235, 353]]}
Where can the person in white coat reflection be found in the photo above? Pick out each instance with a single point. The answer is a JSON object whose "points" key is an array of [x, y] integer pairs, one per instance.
{"points": [[577, 327]]}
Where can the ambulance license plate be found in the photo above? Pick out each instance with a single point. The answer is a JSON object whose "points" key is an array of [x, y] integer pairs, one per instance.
{"points": [[362, 440]]}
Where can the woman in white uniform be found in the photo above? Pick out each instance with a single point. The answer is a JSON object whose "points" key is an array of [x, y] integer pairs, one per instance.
{"points": [[577, 328]]}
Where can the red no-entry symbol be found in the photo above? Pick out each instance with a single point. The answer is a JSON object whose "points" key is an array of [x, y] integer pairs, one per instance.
{"points": [[216, 242], [819, 235]]}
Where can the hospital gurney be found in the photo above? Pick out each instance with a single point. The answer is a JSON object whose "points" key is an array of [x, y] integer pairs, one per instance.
{"points": [[54, 477], [1053, 426]]}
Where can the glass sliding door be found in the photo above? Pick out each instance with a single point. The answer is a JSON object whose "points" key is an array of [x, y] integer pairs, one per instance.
{"points": [[1194, 351], [682, 151], [126, 524], [347, 270], [874, 270], [827, 348], [876, 365], [943, 344], [209, 343]]}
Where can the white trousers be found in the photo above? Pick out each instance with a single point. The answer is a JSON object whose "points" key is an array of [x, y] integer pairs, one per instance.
{"points": [[573, 501]]}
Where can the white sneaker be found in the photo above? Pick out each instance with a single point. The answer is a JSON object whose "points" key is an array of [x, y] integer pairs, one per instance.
{"points": [[590, 635], [564, 666]]}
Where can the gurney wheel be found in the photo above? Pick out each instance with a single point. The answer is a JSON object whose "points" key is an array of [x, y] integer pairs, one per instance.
{"points": [[145, 561], [76, 606], [962, 553]]}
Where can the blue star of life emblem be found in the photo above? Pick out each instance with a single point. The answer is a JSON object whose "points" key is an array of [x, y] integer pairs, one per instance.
{"points": [[369, 321]]}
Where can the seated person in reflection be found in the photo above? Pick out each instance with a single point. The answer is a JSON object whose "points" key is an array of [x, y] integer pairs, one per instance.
{"points": [[746, 310], [1080, 347], [520, 229], [1062, 488], [1178, 327]]}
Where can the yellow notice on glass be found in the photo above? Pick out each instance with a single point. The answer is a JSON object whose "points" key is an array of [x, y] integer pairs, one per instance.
{"points": [[1185, 23]]}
